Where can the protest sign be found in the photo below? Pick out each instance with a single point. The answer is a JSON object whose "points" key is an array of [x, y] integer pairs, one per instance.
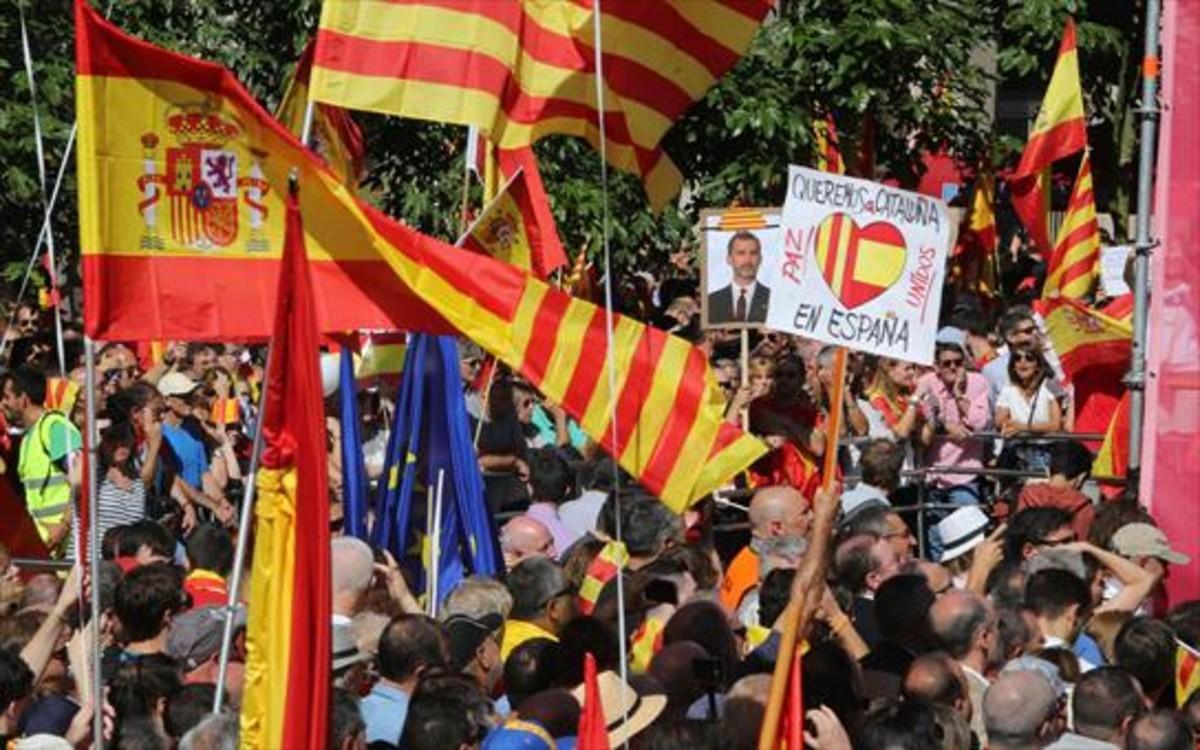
{"points": [[738, 243], [1112, 269], [862, 265]]}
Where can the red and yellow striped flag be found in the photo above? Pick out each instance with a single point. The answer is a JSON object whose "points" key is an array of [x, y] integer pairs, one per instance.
{"points": [[669, 429], [1187, 672], [288, 638], [1084, 336], [829, 152], [523, 70], [1074, 267], [605, 567], [973, 266], [1112, 460], [1059, 131], [335, 135], [860, 263]]}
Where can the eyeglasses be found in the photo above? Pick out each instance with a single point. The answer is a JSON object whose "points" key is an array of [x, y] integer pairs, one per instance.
{"points": [[1024, 357], [27, 323], [951, 363], [473, 362]]}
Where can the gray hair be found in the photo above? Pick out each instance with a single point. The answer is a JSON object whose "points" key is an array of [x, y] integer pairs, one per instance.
{"points": [[352, 565], [475, 597], [216, 732]]}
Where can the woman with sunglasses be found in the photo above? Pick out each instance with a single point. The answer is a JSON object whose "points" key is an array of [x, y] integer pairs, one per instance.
{"points": [[1028, 404]]}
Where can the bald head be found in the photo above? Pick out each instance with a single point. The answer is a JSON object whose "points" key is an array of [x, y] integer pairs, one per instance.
{"points": [[937, 678], [524, 537], [958, 619], [779, 511], [1017, 710]]}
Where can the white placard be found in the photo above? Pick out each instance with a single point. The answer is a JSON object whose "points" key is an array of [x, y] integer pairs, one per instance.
{"points": [[1112, 269], [862, 265]]}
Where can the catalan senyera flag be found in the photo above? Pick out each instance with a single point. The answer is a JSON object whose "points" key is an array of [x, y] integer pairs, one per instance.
{"points": [[859, 262], [1187, 672], [286, 699], [829, 152], [523, 70], [1112, 460], [335, 135], [1084, 336], [669, 429], [605, 567], [1074, 268], [1059, 131]]}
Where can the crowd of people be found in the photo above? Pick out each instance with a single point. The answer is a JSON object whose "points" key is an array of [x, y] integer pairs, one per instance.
{"points": [[983, 590]]}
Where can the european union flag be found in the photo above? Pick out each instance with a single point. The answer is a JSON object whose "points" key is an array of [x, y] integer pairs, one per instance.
{"points": [[354, 468], [431, 435]]}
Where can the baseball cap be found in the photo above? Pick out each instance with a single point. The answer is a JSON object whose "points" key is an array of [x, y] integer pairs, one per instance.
{"points": [[176, 384], [952, 336], [466, 633], [1144, 540], [195, 636]]}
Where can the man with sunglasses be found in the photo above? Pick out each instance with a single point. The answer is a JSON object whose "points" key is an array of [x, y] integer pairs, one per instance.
{"points": [[955, 404], [1020, 330]]}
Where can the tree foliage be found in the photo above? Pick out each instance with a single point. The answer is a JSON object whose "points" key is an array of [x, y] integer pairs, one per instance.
{"points": [[901, 69]]}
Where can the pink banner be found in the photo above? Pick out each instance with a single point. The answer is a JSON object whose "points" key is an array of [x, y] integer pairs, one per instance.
{"points": [[1171, 457]]}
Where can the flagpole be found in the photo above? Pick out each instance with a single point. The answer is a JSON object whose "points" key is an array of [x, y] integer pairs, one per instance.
{"points": [[39, 149], [435, 543], [611, 360], [1143, 244], [245, 521], [796, 616], [93, 456]]}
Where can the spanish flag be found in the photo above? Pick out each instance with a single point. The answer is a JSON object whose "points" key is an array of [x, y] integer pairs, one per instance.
{"points": [[1084, 336], [1187, 672], [829, 152], [335, 135], [508, 229], [1059, 131], [523, 70], [973, 266], [286, 700], [668, 431], [1112, 460], [1074, 267]]}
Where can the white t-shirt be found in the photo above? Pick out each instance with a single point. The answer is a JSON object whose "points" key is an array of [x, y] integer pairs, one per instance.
{"points": [[1023, 412]]}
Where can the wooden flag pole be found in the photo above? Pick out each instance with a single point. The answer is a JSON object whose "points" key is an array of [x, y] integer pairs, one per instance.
{"points": [[812, 569]]}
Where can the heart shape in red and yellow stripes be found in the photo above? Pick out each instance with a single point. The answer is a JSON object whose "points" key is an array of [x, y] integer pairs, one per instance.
{"points": [[859, 263]]}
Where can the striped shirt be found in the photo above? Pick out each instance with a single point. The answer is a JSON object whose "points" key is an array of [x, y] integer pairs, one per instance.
{"points": [[119, 507]]}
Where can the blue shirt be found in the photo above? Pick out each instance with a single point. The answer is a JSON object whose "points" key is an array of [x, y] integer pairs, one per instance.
{"points": [[384, 711], [193, 461]]}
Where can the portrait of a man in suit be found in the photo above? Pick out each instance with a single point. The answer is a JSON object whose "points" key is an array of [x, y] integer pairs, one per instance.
{"points": [[745, 300]]}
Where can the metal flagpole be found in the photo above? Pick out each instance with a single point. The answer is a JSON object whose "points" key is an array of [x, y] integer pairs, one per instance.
{"points": [[245, 521], [93, 456], [1143, 244], [39, 149], [611, 364], [435, 544]]}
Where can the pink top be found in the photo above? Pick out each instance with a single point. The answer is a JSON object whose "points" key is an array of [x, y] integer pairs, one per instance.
{"points": [[941, 408]]}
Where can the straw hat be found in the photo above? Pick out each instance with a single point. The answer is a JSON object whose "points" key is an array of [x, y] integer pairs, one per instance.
{"points": [[625, 712]]}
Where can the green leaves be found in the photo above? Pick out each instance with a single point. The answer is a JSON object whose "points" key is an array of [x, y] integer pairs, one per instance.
{"points": [[902, 68]]}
